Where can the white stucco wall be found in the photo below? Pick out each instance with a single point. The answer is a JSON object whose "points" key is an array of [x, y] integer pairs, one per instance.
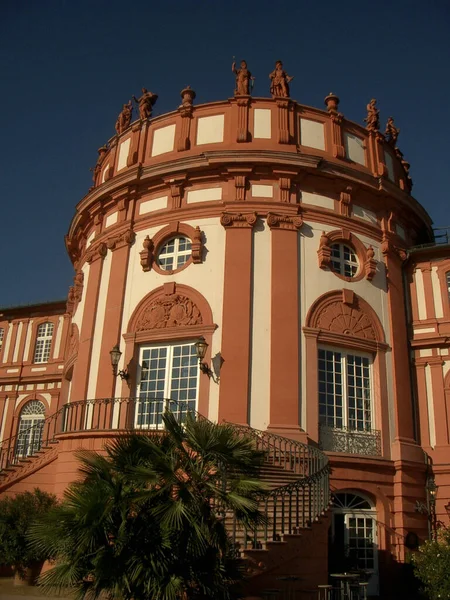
{"points": [[99, 322], [163, 140], [262, 124], [312, 134], [354, 148], [124, 149], [210, 130], [314, 282], [207, 278], [260, 340]]}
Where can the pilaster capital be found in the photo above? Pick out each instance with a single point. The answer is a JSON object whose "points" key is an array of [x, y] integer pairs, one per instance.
{"points": [[238, 220], [275, 221]]}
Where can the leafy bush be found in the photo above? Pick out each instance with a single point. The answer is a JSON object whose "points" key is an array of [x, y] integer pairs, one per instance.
{"points": [[146, 520], [17, 514], [432, 566]]}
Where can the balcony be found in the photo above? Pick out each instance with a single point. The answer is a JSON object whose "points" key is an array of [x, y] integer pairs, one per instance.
{"points": [[350, 441]]}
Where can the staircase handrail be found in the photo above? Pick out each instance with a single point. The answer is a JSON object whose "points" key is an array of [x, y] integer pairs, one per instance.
{"points": [[310, 464]]}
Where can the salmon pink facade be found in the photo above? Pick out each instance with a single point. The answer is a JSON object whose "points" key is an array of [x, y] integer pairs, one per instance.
{"points": [[286, 237]]}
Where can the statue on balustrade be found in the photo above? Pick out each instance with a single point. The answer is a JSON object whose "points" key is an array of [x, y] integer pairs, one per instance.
{"points": [[244, 79], [373, 116], [124, 118], [146, 102], [391, 132], [279, 87]]}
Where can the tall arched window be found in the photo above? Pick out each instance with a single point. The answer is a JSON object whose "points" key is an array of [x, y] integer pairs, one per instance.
{"points": [[345, 340], [353, 544], [447, 281], [31, 427], [43, 343], [2, 335]]}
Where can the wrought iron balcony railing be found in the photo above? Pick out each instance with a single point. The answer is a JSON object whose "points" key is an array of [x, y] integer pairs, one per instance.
{"points": [[351, 441], [296, 501]]}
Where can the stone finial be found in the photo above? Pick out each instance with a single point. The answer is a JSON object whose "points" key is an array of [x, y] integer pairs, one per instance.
{"points": [[279, 81], [244, 79], [373, 116], [124, 118], [187, 96], [332, 103], [145, 102], [392, 132]]}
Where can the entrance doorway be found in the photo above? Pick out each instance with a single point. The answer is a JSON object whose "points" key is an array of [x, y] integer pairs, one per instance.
{"points": [[353, 538]]}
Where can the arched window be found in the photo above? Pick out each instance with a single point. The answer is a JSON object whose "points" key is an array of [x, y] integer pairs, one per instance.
{"points": [[345, 397], [166, 371], [2, 334], [43, 343], [353, 544], [346, 340], [31, 426], [447, 281]]}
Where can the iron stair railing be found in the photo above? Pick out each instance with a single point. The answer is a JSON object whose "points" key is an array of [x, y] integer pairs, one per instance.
{"points": [[287, 508]]}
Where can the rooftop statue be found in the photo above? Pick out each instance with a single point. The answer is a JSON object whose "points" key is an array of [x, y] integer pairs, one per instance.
{"points": [[279, 87], [373, 116], [244, 79], [146, 102], [124, 118], [391, 132]]}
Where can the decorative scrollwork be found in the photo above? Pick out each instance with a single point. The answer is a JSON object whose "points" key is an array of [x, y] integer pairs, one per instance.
{"points": [[173, 310]]}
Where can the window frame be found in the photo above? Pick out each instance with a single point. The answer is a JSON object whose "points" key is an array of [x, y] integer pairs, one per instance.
{"points": [[168, 387], [47, 342], [345, 352], [2, 337], [342, 262], [176, 254], [27, 443]]}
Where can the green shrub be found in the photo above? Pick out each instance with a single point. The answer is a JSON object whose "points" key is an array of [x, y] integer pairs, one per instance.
{"points": [[17, 514], [432, 566]]}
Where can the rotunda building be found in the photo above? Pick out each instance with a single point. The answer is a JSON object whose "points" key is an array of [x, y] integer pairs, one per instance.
{"points": [[272, 237]]}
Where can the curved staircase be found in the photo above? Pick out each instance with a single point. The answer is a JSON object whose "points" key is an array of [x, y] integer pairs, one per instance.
{"points": [[286, 551]]}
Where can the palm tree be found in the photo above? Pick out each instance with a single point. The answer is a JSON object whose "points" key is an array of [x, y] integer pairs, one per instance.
{"points": [[147, 519]]}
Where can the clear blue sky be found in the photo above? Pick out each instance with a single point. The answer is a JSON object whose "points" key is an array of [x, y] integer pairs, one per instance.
{"points": [[66, 67]]}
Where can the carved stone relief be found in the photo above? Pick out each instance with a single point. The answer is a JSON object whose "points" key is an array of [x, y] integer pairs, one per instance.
{"points": [[348, 320], [174, 310]]}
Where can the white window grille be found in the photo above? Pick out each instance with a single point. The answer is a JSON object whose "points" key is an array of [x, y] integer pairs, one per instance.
{"points": [[31, 427], [2, 335], [174, 253], [345, 390], [344, 260], [447, 279], [43, 343], [167, 373], [354, 536]]}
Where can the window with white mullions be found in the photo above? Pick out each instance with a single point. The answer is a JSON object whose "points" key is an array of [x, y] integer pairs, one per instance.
{"points": [[447, 279], [345, 395], [31, 427], [43, 343], [344, 260], [2, 334], [174, 253], [168, 372]]}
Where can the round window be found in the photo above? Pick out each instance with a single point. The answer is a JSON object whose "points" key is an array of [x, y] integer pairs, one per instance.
{"points": [[344, 260], [174, 253]]}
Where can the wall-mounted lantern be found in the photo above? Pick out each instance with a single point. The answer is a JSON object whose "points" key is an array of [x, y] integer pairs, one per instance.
{"points": [[201, 346], [115, 354]]}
